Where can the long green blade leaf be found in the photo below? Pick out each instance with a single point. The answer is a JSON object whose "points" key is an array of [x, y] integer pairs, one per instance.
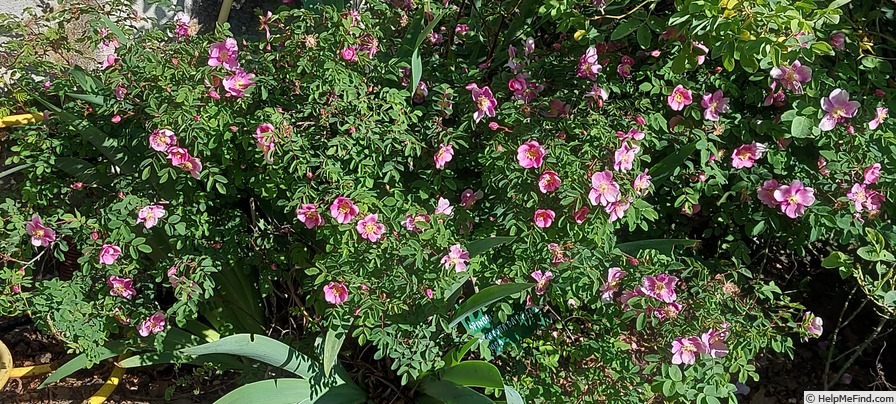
{"points": [[486, 297], [480, 246], [664, 168], [291, 391], [15, 169], [450, 393], [262, 349], [664, 246], [111, 349], [475, 374]]}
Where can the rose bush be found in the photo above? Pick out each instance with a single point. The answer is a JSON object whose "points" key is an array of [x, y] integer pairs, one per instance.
{"points": [[376, 171]]}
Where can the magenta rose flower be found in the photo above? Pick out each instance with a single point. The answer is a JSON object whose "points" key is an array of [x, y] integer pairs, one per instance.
{"points": [[838, 108], [343, 209], [642, 183], [335, 293], [150, 215], [549, 181], [237, 84], [625, 157], [686, 350], [792, 77], [152, 325], [714, 104], [309, 216], [588, 64], [793, 199], [484, 100], [121, 287], [41, 236], [544, 218], [541, 280], [109, 253], [457, 258], [604, 190], [443, 156], [224, 54], [611, 286], [581, 214], [370, 228], [162, 139], [617, 209], [766, 193], [530, 154], [661, 287], [746, 155], [679, 98], [872, 174]]}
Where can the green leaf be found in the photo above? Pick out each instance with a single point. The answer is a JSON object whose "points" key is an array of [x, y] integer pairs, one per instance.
{"points": [[154, 358], [644, 36], [262, 349], [450, 393], [664, 246], [475, 374], [416, 70], [837, 259], [119, 35], [332, 345], [291, 391], [674, 373], [837, 4], [111, 349], [625, 28], [480, 246], [801, 127], [15, 169], [664, 168], [513, 396], [454, 356], [486, 297], [890, 298]]}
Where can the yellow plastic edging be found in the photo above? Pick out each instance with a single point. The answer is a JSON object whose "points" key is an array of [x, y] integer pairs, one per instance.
{"points": [[16, 120], [111, 384], [5, 364], [30, 371]]}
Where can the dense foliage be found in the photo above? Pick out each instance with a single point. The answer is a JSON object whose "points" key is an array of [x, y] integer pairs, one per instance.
{"points": [[375, 174]]}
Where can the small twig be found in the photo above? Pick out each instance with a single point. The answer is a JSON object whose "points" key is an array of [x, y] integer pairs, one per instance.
{"points": [[858, 352], [616, 17], [827, 364]]}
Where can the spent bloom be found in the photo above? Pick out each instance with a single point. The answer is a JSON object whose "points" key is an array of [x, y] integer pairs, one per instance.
{"points": [[746, 155], [838, 108], [624, 157], [679, 98], [150, 215], [542, 279], [838, 41], [468, 197], [597, 96], [603, 189], [766, 193], [457, 257], [162, 139], [714, 343], [667, 311], [109, 253], [41, 236], [264, 139], [793, 199], [349, 53], [224, 54], [343, 209], [544, 218], [308, 215], [122, 287], [661, 287], [484, 100], [152, 325], [182, 25], [237, 84], [625, 66], [872, 174], [609, 288], [370, 228], [410, 222], [633, 134], [335, 293], [685, 350], [879, 118], [444, 155], [617, 209], [714, 104], [701, 57], [588, 64], [581, 214], [792, 77], [549, 181], [530, 154]]}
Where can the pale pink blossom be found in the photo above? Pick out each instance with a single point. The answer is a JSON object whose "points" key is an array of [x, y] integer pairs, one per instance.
{"points": [[152, 325], [343, 210], [162, 139], [109, 61], [542, 279], [714, 104], [335, 293], [410, 222], [238, 83], [666, 311], [617, 209], [121, 287], [150, 215], [41, 236], [224, 54], [444, 155], [611, 286], [714, 342], [661, 287], [549, 181], [604, 190], [642, 183], [872, 174], [370, 228], [746, 155], [484, 100], [679, 98], [109, 253], [686, 350], [529, 46], [838, 108], [813, 324], [874, 199], [309, 216], [858, 196], [793, 199], [625, 157], [530, 154], [766, 193], [589, 66], [879, 117], [544, 218], [792, 77], [264, 139], [633, 134], [457, 257], [701, 56]]}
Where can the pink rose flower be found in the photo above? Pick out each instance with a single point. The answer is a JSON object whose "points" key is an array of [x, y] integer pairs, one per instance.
{"points": [[468, 198], [544, 218], [343, 209], [457, 257], [484, 100], [109, 253], [661, 287], [701, 56], [41, 236], [444, 155], [625, 157], [838, 108], [121, 287], [309, 216], [879, 118], [349, 54], [224, 54], [335, 293], [714, 342], [237, 84], [529, 46], [642, 183], [443, 207], [746, 155], [838, 41], [162, 139], [370, 228], [858, 196], [617, 209], [792, 77], [679, 98], [542, 279], [793, 199], [179, 157], [766, 193], [666, 311], [611, 286], [410, 222], [549, 181], [119, 91], [152, 325], [813, 324], [109, 61], [588, 64], [604, 190], [597, 96], [872, 174], [150, 215], [581, 214], [530, 154], [633, 134], [714, 104], [686, 350]]}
